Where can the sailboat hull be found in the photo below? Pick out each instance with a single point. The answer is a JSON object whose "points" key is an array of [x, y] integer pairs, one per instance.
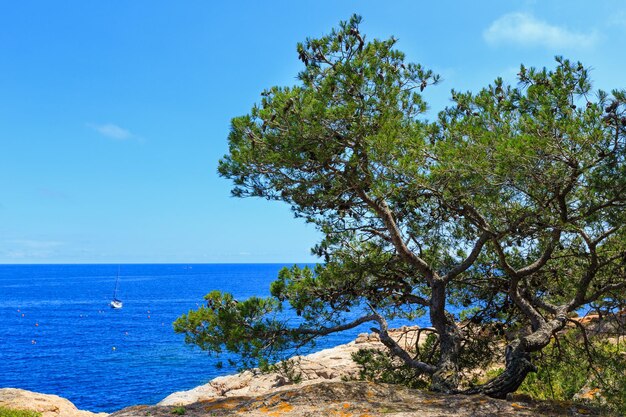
{"points": [[115, 303]]}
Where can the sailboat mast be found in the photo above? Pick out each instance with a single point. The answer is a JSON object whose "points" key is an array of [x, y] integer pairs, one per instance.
{"points": [[117, 280]]}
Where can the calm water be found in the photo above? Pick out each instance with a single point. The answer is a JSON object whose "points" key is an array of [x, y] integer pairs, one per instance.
{"points": [[58, 335]]}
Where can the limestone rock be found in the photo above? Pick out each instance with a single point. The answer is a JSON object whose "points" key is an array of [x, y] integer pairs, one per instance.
{"points": [[361, 399], [47, 405]]}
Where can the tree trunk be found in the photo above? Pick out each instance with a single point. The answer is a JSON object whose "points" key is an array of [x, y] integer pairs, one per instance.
{"points": [[446, 378], [518, 365], [517, 357]]}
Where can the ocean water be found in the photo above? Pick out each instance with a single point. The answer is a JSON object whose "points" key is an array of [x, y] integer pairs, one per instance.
{"points": [[59, 336]]}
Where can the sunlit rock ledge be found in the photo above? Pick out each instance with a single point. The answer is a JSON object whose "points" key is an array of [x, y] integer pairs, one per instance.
{"points": [[362, 399], [46, 404]]}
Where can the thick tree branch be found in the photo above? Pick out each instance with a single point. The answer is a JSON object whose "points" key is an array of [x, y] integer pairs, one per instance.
{"points": [[381, 208], [591, 270], [323, 331], [544, 258], [396, 350], [471, 258]]}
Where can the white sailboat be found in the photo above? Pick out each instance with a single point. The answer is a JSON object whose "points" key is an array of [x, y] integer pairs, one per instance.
{"points": [[115, 303]]}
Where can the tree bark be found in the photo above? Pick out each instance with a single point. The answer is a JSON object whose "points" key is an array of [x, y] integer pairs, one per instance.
{"points": [[518, 366], [446, 377], [518, 362]]}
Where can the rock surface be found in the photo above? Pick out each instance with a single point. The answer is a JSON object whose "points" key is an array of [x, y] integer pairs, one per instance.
{"points": [[47, 405], [334, 364], [359, 399]]}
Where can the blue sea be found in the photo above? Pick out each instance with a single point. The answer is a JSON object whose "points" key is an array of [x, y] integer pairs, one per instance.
{"points": [[59, 336]]}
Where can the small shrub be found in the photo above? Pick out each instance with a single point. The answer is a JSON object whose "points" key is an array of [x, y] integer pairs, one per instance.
{"points": [[479, 379], [179, 411], [10, 412], [377, 365], [566, 366], [287, 368]]}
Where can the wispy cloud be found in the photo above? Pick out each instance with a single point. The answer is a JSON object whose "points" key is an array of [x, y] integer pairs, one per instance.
{"points": [[35, 244], [526, 30], [112, 131], [28, 249]]}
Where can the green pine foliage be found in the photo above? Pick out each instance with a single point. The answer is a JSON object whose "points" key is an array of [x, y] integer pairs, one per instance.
{"points": [[509, 205]]}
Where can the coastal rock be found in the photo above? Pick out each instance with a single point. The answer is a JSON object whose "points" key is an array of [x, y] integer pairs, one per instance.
{"points": [[334, 364], [361, 399], [47, 405]]}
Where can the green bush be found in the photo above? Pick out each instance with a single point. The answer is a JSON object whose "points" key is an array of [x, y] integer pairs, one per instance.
{"points": [[569, 366], [179, 411], [380, 366], [377, 365], [10, 412], [288, 369]]}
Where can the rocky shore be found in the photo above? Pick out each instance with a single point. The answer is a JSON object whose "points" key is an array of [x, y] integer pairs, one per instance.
{"points": [[326, 387], [359, 399], [47, 405]]}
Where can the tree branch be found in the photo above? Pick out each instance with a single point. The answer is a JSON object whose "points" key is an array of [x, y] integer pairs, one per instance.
{"points": [[471, 258], [386, 216], [396, 350]]}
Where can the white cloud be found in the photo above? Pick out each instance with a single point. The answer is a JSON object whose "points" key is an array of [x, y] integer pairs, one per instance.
{"points": [[112, 131], [524, 29]]}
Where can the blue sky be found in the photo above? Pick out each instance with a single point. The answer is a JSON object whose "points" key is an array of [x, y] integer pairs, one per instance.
{"points": [[113, 114]]}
